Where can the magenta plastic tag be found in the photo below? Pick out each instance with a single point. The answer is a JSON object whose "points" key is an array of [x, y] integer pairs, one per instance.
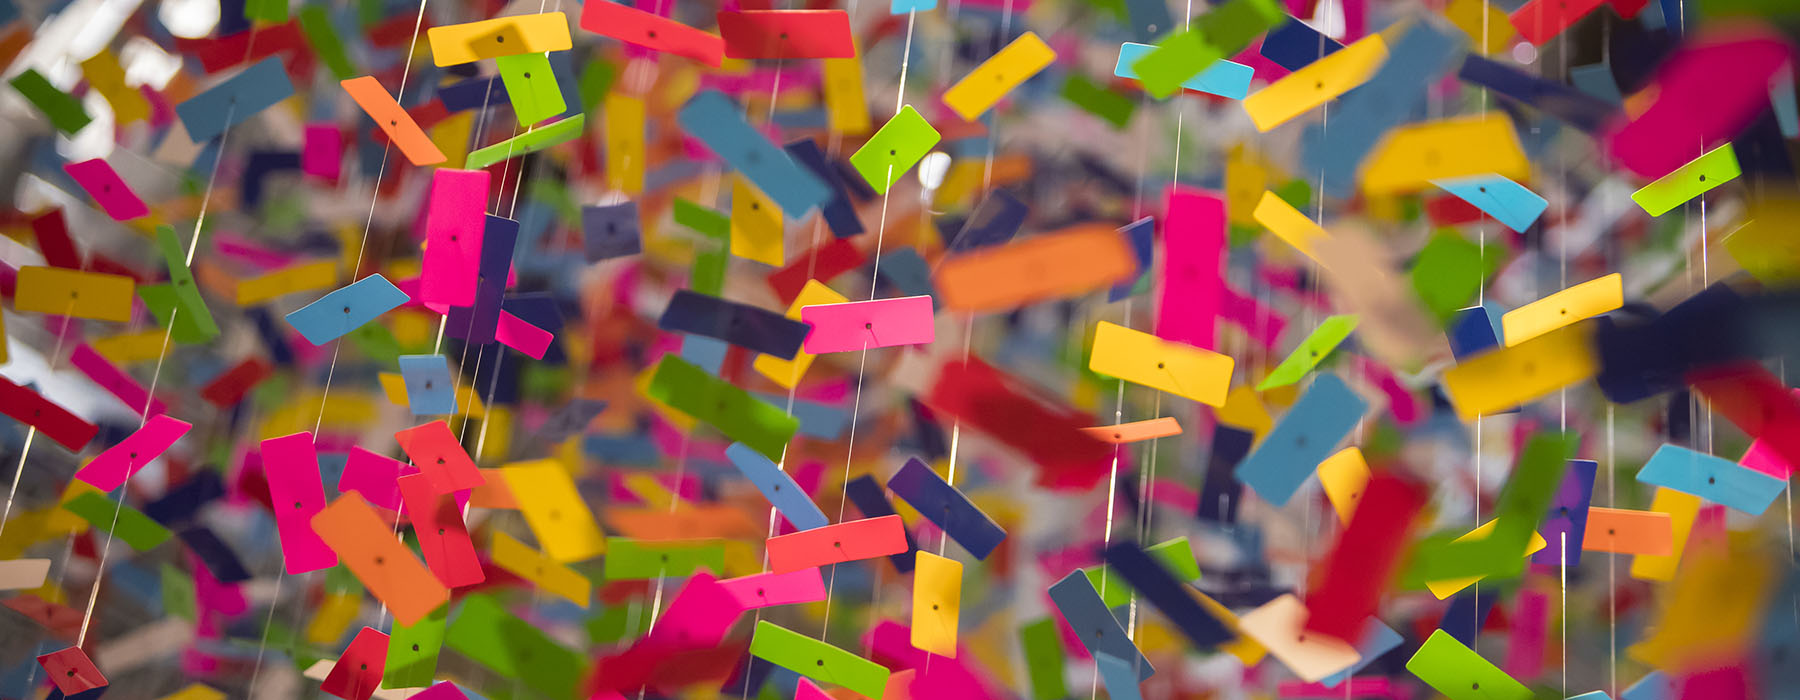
{"points": [[1193, 253], [877, 323], [97, 177], [444, 690], [698, 618], [1707, 92], [456, 215], [764, 590], [520, 335], [110, 469], [374, 476], [321, 157], [114, 380], [291, 466]]}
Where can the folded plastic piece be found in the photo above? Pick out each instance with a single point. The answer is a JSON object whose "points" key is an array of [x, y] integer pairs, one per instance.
{"points": [[1461, 674], [1710, 477], [357, 673], [297, 494], [894, 149], [543, 137], [456, 44], [740, 324], [836, 544], [1223, 78], [1757, 402], [72, 671], [946, 507], [385, 566], [817, 660], [651, 31], [1313, 349], [1683, 509], [1309, 433], [346, 309], [194, 312], [777, 486], [686, 388], [786, 34], [712, 117], [443, 538], [485, 632], [108, 189], [1410, 158], [554, 510], [1717, 167], [877, 323], [1007, 69], [1508, 202], [1280, 626], [770, 589], [393, 120], [236, 100], [1094, 625], [1317, 83], [1523, 503], [1142, 358], [1377, 639], [1222, 31]]}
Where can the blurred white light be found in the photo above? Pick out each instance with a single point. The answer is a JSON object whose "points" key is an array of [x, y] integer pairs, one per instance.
{"points": [[189, 19], [147, 64], [1524, 53], [933, 169]]}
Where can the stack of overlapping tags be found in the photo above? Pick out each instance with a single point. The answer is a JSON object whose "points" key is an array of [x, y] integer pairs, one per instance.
{"points": [[942, 350]]}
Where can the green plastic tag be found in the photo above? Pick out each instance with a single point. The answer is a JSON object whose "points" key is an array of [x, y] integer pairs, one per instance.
{"points": [[531, 85], [1221, 32], [177, 592], [266, 10], [62, 109], [817, 660], [1448, 271], [1044, 659], [483, 631], [1095, 99], [557, 132], [706, 221], [181, 280], [685, 387], [377, 342], [1523, 503], [596, 79], [630, 559], [132, 526], [894, 149], [315, 22], [1313, 350], [1460, 673], [412, 654], [1717, 167]]}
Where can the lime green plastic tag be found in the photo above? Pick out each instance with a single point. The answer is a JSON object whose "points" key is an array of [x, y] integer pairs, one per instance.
{"points": [[557, 132], [817, 660], [1460, 673], [511, 647], [132, 526], [894, 149], [412, 654], [685, 387], [531, 85], [1313, 350], [630, 559]]}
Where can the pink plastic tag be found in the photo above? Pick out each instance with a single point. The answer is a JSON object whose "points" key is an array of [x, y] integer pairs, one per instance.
{"points": [[357, 674], [1763, 458], [699, 616], [321, 157], [291, 465], [807, 691], [443, 536], [456, 215], [110, 469], [444, 690], [440, 457], [97, 177], [1525, 646], [1261, 323], [877, 323], [114, 380], [1706, 93], [890, 644], [764, 590], [520, 335], [212, 595], [1194, 249], [374, 476], [1355, 687]]}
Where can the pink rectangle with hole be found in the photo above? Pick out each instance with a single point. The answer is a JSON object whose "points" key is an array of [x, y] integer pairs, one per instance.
{"points": [[108, 189], [877, 323], [455, 217], [768, 589], [1193, 289], [114, 380], [521, 335], [291, 466], [322, 156], [110, 469]]}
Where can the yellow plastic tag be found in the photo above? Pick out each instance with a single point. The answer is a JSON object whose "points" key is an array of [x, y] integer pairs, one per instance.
{"points": [[293, 279], [1716, 602], [1244, 410], [624, 127], [1288, 224], [502, 36], [787, 373], [1448, 587], [846, 112], [1344, 476], [1142, 358], [1765, 245], [1247, 650], [1280, 626], [333, 616], [195, 692], [983, 87], [1412, 156], [1495, 28], [937, 600], [107, 77], [1585, 300], [549, 575], [127, 348], [1500, 379], [1317, 83], [554, 510], [755, 224], [1246, 178], [64, 292], [1682, 509]]}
